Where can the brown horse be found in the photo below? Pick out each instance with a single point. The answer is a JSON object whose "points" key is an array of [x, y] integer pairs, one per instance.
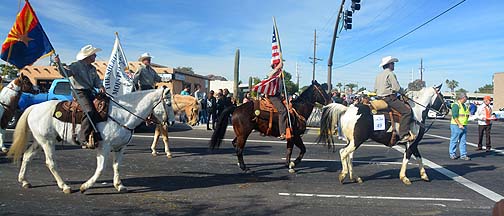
{"points": [[244, 121]]}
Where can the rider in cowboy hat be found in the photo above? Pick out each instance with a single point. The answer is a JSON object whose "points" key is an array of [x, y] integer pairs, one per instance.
{"points": [[84, 80], [145, 77], [387, 87]]}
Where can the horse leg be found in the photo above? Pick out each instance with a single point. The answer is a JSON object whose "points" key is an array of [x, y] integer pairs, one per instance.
{"points": [[302, 150], [101, 159], [154, 142], [117, 160], [406, 158], [49, 149], [352, 177], [164, 133], [27, 156], [2, 144], [288, 154], [345, 162], [423, 174], [240, 146]]}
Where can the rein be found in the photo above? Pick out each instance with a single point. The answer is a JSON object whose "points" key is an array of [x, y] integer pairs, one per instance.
{"points": [[429, 108]]}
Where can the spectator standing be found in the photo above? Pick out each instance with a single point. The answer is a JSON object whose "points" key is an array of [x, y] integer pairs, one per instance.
{"points": [[484, 116], [473, 107], [185, 91], [212, 110], [458, 127]]}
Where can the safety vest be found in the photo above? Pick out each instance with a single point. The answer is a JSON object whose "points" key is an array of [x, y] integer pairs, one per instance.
{"points": [[463, 114]]}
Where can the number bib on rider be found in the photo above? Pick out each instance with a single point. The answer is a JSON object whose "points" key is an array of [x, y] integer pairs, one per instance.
{"points": [[379, 122]]}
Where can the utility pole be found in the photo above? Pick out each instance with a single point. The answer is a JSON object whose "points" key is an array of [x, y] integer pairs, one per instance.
{"points": [[421, 69], [331, 53], [314, 59]]}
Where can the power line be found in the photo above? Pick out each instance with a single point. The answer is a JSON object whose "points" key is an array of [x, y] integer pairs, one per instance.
{"points": [[425, 23]]}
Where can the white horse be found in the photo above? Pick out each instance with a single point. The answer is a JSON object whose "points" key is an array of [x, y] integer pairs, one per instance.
{"points": [[357, 126], [116, 132], [9, 98], [178, 103]]}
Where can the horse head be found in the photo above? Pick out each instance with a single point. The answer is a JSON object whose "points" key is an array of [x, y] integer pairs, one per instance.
{"points": [[192, 111], [438, 103], [24, 84], [161, 110], [320, 94]]}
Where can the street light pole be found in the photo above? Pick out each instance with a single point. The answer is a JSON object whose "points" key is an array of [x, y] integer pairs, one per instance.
{"points": [[331, 53]]}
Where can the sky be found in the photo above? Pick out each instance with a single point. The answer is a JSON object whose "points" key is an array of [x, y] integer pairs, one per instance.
{"points": [[465, 44]]}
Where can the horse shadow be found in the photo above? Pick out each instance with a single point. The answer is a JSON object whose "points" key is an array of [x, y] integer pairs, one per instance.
{"points": [[188, 180], [201, 151]]}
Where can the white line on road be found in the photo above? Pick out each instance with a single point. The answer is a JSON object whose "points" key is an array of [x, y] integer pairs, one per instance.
{"points": [[254, 141], [370, 197], [357, 161], [468, 143]]}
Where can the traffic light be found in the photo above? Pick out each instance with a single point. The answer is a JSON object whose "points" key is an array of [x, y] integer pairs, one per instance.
{"points": [[355, 5], [347, 18]]}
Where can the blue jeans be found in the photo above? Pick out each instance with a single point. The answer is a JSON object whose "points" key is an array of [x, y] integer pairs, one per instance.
{"points": [[458, 135]]}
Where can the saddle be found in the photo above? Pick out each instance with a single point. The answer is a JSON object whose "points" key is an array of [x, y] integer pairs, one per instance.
{"points": [[264, 109], [380, 107], [71, 111]]}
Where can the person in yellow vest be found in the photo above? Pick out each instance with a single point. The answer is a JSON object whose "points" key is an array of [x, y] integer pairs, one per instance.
{"points": [[458, 127]]}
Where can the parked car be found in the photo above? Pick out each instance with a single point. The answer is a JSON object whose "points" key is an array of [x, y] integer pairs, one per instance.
{"points": [[434, 115], [499, 114], [59, 90]]}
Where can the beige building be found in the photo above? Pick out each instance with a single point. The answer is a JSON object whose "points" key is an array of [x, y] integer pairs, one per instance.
{"points": [[42, 76], [498, 82]]}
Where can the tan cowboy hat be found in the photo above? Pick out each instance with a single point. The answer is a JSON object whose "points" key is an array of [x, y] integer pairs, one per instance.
{"points": [[144, 56], [387, 59], [86, 51]]}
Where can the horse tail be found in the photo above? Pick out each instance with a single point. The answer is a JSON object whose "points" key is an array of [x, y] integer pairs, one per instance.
{"points": [[20, 137], [330, 118], [220, 131]]}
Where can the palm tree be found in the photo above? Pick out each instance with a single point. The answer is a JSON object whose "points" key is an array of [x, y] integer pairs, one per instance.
{"points": [[351, 86], [339, 86], [452, 84]]}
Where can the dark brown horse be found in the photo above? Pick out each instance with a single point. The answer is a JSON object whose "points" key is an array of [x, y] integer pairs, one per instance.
{"points": [[244, 120]]}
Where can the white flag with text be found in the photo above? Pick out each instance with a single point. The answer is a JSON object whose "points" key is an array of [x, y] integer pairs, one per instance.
{"points": [[115, 80]]}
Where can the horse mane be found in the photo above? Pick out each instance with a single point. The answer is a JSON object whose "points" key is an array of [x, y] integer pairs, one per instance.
{"points": [[132, 100], [303, 96]]}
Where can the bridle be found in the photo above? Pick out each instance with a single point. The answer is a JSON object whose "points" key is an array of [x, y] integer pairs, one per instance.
{"points": [[148, 119], [443, 107]]}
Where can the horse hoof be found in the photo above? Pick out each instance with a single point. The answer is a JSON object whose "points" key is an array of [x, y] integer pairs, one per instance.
{"points": [[154, 154], [292, 171], [169, 156], [27, 185], [341, 178], [358, 180], [122, 189], [82, 190], [426, 178], [406, 181], [67, 190], [5, 150], [292, 165]]}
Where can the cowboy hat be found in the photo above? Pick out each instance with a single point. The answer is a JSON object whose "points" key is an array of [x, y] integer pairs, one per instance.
{"points": [[144, 56], [86, 51], [388, 59]]}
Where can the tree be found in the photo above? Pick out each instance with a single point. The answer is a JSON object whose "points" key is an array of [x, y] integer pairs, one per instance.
{"points": [[339, 85], [303, 88], [461, 90], [488, 88], [10, 70], [361, 89], [289, 85], [187, 70], [351, 86], [416, 85], [451, 84]]}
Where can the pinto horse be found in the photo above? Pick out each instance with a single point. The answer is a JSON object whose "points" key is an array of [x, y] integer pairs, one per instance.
{"points": [[178, 103], [125, 113], [9, 98], [357, 125], [245, 121]]}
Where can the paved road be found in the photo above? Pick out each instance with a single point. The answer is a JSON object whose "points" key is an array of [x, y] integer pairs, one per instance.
{"points": [[199, 182]]}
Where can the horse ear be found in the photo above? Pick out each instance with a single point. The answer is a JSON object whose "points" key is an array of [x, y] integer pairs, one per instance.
{"points": [[438, 88]]}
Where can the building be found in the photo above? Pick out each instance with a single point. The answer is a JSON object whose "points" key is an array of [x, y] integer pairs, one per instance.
{"points": [[498, 83], [42, 76]]}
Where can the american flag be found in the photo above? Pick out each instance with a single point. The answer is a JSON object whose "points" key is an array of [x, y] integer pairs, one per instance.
{"points": [[270, 85]]}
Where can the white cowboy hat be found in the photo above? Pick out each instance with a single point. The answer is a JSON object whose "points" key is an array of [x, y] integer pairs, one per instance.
{"points": [[387, 59], [86, 51], [144, 56]]}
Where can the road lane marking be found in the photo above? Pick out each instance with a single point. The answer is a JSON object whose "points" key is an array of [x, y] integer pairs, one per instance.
{"points": [[357, 161], [456, 177], [370, 197], [468, 143], [254, 141]]}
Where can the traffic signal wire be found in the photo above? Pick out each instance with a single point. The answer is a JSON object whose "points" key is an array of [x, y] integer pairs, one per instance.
{"points": [[404, 35]]}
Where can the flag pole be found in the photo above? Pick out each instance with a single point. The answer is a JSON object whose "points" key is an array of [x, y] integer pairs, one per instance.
{"points": [[288, 131]]}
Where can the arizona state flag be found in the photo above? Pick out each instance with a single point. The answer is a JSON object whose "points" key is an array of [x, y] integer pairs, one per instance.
{"points": [[26, 41]]}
